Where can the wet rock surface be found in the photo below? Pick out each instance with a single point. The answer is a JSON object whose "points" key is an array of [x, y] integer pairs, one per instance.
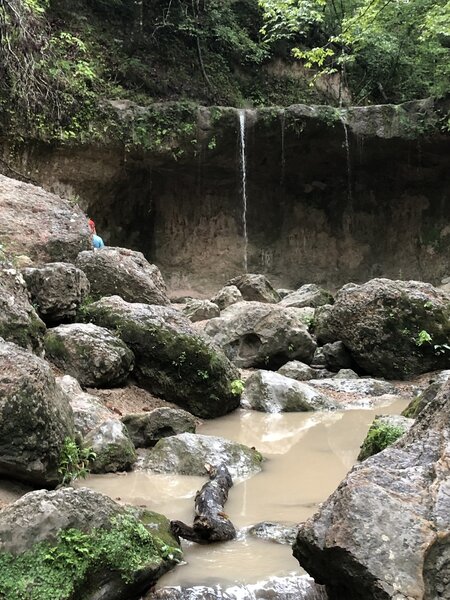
{"points": [[276, 588], [392, 329], [35, 418], [145, 429], [275, 532], [19, 322], [91, 354], [362, 386], [295, 369], [88, 412], [383, 534], [187, 453], [172, 360], [40, 225], [271, 392], [57, 290], [123, 272], [258, 334]]}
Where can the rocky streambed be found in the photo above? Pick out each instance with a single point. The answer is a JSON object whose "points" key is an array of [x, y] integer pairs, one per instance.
{"points": [[101, 372]]}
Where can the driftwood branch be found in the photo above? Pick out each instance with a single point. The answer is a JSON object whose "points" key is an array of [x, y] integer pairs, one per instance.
{"points": [[211, 524]]}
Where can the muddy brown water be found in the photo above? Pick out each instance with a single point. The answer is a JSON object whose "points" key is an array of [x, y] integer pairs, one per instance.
{"points": [[307, 455]]}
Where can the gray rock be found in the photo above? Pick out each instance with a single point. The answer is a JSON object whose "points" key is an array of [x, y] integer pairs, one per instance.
{"points": [[381, 324], [255, 288], [258, 334], [35, 418], [279, 533], [113, 447], [19, 322], [319, 360], [297, 370], [88, 412], [384, 533], [123, 272], [296, 587], [200, 310], [40, 225], [271, 392], [96, 531], [308, 295], [57, 290], [384, 430], [145, 429], [336, 356], [346, 374], [187, 453], [91, 354], [227, 296], [363, 386], [283, 292], [172, 360]]}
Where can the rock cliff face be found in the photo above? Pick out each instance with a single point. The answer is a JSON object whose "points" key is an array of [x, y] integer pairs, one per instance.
{"points": [[332, 195]]}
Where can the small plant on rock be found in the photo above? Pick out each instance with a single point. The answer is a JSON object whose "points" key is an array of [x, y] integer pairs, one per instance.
{"points": [[379, 437], [237, 387], [74, 461]]}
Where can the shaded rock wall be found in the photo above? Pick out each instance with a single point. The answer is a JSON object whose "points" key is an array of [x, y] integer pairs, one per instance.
{"points": [[319, 209]]}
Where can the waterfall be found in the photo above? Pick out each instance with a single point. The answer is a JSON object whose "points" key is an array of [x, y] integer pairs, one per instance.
{"points": [[243, 183], [349, 164], [283, 155]]}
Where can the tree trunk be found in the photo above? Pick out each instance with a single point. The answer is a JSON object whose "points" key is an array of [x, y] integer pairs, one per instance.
{"points": [[211, 524]]}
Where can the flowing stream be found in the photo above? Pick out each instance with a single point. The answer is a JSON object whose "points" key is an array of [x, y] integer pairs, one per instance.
{"points": [[307, 455], [243, 168]]}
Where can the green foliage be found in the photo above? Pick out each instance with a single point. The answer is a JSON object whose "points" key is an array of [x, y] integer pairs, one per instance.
{"points": [[423, 337], [74, 461], [384, 50], [379, 437], [237, 387], [58, 571]]}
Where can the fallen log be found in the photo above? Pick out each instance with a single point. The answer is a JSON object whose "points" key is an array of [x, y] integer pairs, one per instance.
{"points": [[211, 523]]}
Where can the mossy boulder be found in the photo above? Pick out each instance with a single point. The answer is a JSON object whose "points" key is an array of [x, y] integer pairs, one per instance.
{"points": [[418, 403], [172, 360], [19, 321], [187, 453], [91, 354], [384, 431], [57, 290], [35, 418], [80, 544], [393, 329], [113, 448], [145, 429]]}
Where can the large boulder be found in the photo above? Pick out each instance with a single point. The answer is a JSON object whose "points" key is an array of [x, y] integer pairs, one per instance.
{"points": [[172, 360], [123, 272], [392, 328], [57, 290], [309, 294], [41, 225], [295, 369], [113, 448], [255, 288], [19, 321], [70, 544], [91, 354], [88, 411], [187, 453], [271, 392], [254, 334], [145, 429], [35, 418], [384, 533]]}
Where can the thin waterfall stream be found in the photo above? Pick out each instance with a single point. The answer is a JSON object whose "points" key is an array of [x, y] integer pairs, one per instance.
{"points": [[243, 169]]}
